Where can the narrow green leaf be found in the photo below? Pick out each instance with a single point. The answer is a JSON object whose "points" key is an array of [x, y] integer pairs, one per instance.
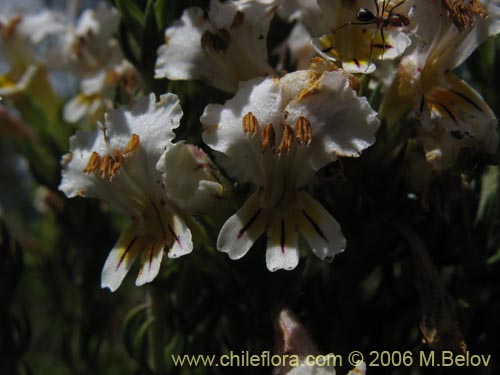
{"points": [[130, 11], [489, 193], [161, 12]]}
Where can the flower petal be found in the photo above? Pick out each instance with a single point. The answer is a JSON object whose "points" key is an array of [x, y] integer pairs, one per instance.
{"points": [[151, 258], [342, 123], [223, 125], [121, 258], [282, 244], [321, 231], [227, 48], [241, 230], [180, 233], [192, 180]]}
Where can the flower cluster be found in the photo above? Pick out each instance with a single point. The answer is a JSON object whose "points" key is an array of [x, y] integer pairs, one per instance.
{"points": [[278, 130], [240, 157]]}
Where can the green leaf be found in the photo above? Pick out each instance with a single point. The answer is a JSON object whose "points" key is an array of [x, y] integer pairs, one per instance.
{"points": [[489, 193], [495, 258], [130, 11], [161, 12]]}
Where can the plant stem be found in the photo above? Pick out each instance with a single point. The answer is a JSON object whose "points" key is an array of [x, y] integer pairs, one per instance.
{"points": [[157, 331]]}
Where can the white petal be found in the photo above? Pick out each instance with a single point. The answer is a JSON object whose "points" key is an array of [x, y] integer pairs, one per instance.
{"points": [[358, 370], [308, 370], [192, 180], [223, 125], [121, 258], [182, 242], [152, 121], [137, 180], [306, 11], [282, 244], [151, 258], [398, 42], [358, 66], [243, 56], [182, 57], [241, 230], [342, 123], [81, 106], [21, 85], [94, 84], [321, 231]]}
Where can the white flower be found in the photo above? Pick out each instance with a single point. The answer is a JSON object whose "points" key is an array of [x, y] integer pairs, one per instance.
{"points": [[90, 46], [305, 11], [20, 37], [227, 47], [200, 191], [123, 164], [98, 92], [298, 45], [454, 116], [357, 38], [277, 133], [293, 341]]}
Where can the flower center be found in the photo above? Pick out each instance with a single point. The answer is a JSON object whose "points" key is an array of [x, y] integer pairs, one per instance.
{"points": [[302, 134], [279, 161], [108, 165]]}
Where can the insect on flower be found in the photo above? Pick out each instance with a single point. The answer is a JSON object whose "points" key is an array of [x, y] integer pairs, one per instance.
{"points": [[380, 33], [383, 18]]}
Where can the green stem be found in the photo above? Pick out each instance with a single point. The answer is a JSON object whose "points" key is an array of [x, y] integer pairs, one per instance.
{"points": [[158, 330]]}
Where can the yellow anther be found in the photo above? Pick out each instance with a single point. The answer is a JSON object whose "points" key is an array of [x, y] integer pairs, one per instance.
{"points": [[303, 131], [93, 163], [207, 40], [286, 139], [463, 12], [111, 77], [218, 41], [132, 144], [250, 124], [477, 8], [238, 19], [9, 29], [268, 138], [117, 163], [106, 166]]}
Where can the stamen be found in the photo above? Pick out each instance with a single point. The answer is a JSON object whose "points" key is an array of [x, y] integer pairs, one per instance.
{"points": [[11, 27], [118, 162], [463, 15], [78, 47], [268, 138], [477, 8], [238, 19], [106, 166], [132, 144], [286, 139], [250, 124], [218, 42], [93, 163], [303, 131], [207, 40]]}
